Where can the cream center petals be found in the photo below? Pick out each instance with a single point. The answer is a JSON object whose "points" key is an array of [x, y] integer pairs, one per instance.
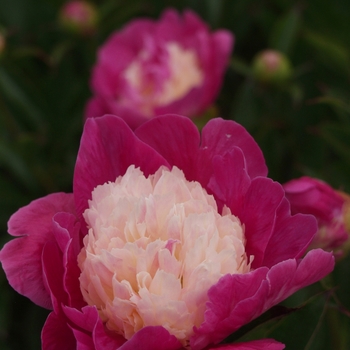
{"points": [[154, 248], [162, 82]]}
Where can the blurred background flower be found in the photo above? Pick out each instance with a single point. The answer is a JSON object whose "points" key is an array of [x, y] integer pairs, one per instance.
{"points": [[149, 68], [312, 196], [303, 127]]}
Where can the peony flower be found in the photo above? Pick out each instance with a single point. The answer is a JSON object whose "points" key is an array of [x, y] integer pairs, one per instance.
{"points": [[170, 240], [312, 196], [174, 65]]}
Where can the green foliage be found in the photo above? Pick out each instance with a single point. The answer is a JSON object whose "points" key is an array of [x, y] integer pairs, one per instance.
{"points": [[302, 126]]}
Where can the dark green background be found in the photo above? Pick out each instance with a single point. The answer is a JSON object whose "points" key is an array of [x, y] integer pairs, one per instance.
{"points": [[303, 126]]}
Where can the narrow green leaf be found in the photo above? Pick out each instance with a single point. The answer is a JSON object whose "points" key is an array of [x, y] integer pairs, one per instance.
{"points": [[245, 110], [330, 51], [285, 31], [338, 137], [214, 9], [16, 166], [15, 94]]}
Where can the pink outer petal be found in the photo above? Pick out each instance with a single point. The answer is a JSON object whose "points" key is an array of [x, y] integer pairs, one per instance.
{"points": [[53, 274], [272, 233], [85, 318], [152, 338], [56, 335], [84, 341], [66, 230], [230, 166], [263, 344], [92, 330], [104, 341], [286, 241], [233, 301], [219, 136], [176, 138], [21, 257], [237, 299], [107, 148], [172, 134]]}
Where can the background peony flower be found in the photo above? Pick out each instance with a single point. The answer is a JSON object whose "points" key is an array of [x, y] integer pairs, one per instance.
{"points": [[124, 207], [173, 65], [312, 196]]}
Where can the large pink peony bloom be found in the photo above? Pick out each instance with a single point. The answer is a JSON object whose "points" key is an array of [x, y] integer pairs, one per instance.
{"points": [[312, 196], [149, 68], [171, 240]]}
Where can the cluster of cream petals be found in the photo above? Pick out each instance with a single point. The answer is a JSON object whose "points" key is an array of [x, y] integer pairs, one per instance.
{"points": [[183, 74], [155, 246]]}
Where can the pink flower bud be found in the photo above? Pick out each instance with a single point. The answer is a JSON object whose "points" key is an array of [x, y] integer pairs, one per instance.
{"points": [[79, 16], [311, 196], [271, 66]]}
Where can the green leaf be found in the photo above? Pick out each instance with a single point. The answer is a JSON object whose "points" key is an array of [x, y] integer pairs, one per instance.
{"points": [[20, 99], [285, 31], [244, 109], [214, 10], [338, 137], [332, 53], [15, 164]]}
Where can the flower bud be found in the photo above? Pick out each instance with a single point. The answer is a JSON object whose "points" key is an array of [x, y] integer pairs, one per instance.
{"points": [[332, 211], [270, 66], [79, 16]]}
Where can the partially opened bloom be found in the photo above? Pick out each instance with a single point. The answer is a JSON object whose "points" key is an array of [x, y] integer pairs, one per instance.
{"points": [[173, 65], [312, 196], [170, 240]]}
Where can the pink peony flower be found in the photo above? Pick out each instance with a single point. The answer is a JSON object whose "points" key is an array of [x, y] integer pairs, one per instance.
{"points": [[149, 68], [312, 196], [170, 240]]}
